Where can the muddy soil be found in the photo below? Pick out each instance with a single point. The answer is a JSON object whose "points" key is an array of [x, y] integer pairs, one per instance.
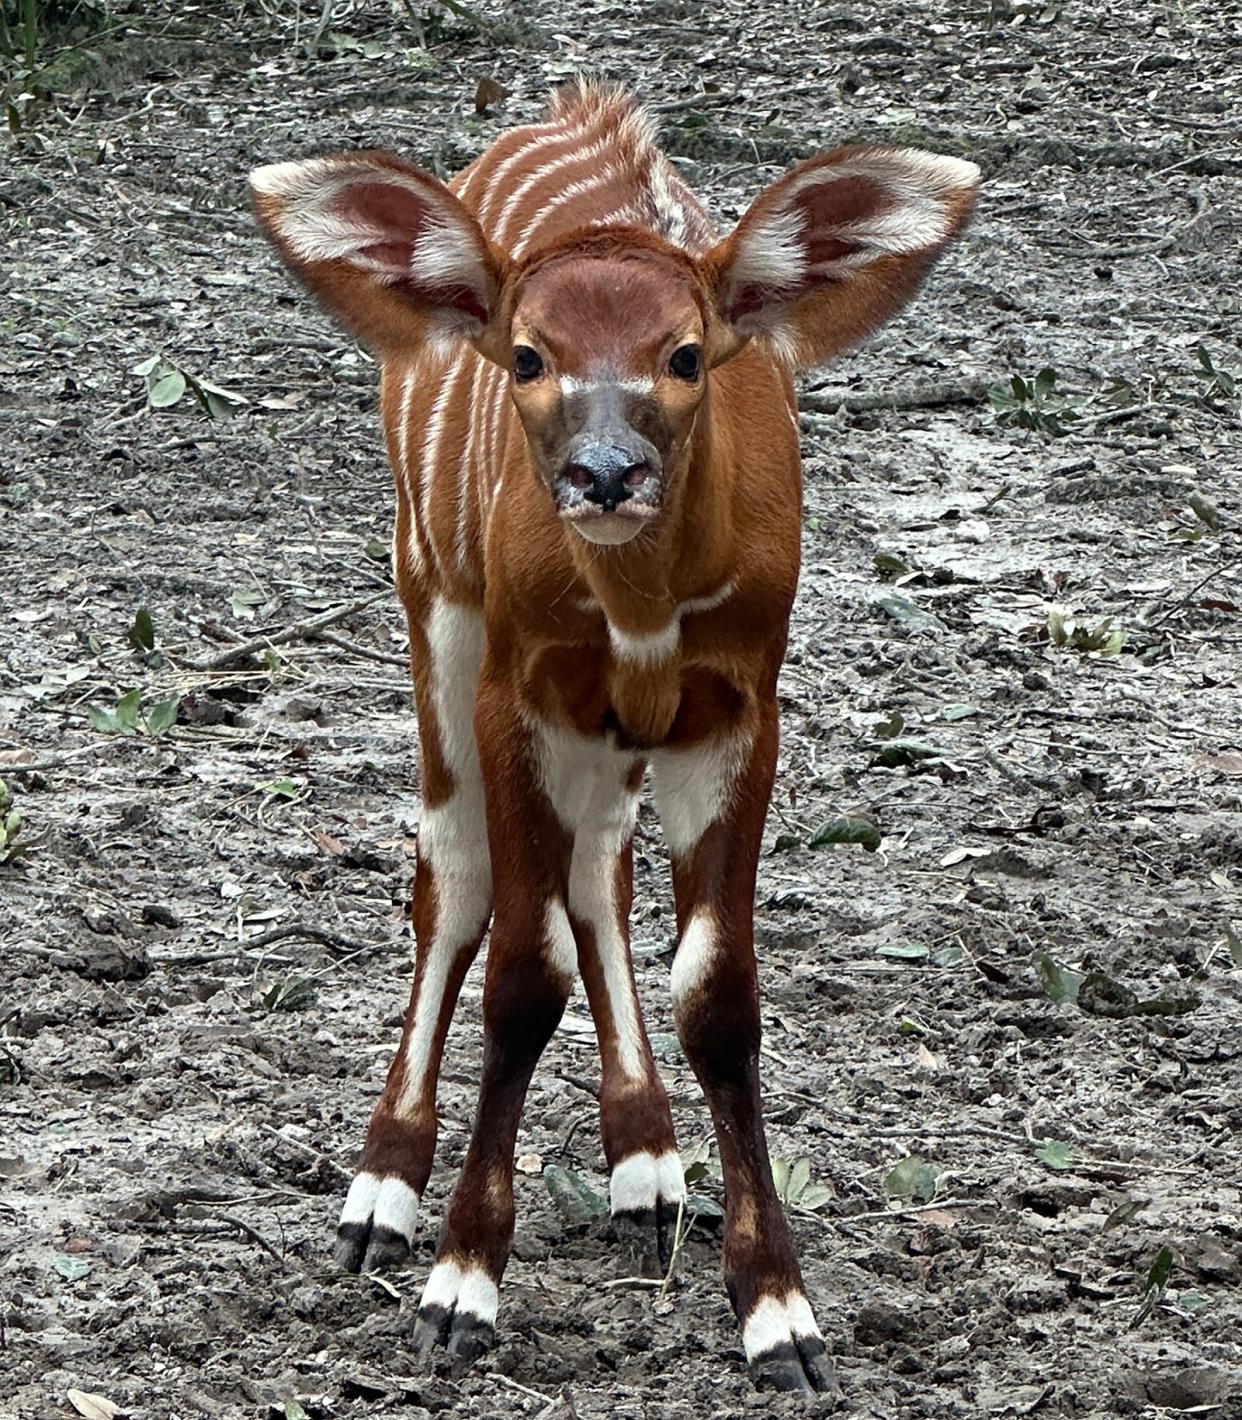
{"points": [[205, 942]]}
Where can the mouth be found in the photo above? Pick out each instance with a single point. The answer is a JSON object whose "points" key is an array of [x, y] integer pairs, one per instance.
{"points": [[610, 529]]}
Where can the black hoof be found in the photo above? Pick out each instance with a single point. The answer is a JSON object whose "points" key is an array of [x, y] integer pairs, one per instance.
{"points": [[803, 1367], [459, 1333], [648, 1232], [363, 1247]]}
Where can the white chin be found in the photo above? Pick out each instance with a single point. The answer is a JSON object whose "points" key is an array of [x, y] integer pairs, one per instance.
{"points": [[609, 530]]}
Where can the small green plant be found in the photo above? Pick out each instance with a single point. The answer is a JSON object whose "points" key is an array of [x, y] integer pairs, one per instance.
{"points": [[913, 1180], [1219, 386], [10, 826], [167, 385], [129, 717], [1034, 404], [291, 993], [795, 1189], [1070, 634], [1158, 1275]]}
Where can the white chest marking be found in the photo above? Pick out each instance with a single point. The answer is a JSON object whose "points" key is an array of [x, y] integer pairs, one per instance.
{"points": [[649, 648]]}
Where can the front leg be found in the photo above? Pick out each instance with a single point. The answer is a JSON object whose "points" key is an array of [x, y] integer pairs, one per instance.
{"points": [[531, 965], [712, 800]]}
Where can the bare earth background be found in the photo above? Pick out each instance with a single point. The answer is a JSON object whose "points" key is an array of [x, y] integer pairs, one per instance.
{"points": [[173, 1147]]}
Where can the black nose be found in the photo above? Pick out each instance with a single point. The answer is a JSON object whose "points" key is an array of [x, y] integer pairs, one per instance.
{"points": [[607, 474]]}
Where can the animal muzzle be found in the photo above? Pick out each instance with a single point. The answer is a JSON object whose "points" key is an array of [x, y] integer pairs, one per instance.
{"points": [[609, 476]]}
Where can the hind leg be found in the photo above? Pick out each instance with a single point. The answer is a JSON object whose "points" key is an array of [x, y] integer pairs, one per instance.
{"points": [[452, 903]]}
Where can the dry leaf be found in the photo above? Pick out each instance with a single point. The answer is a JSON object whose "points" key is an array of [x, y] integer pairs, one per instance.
{"points": [[332, 846], [959, 855], [927, 1061], [1228, 761], [15, 756], [940, 1217], [529, 1163], [94, 1407], [489, 92]]}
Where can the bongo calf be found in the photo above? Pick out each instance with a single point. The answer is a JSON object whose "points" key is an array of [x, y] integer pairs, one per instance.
{"points": [[590, 414]]}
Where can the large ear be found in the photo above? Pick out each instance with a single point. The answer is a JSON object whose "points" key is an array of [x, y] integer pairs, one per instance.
{"points": [[386, 247], [837, 245]]}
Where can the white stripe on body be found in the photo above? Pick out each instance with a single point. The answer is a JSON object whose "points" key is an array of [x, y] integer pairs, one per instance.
{"points": [[406, 485], [438, 420], [452, 837]]}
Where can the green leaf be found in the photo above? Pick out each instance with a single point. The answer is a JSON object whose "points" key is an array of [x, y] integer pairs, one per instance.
{"points": [[903, 951], [278, 788], [888, 566], [1054, 1154], [815, 1197], [167, 390], [799, 1177], [1234, 943], [243, 602], [145, 367], [846, 828], [573, 1196], [1045, 383], [1161, 1269], [376, 550], [142, 632], [1059, 982], [780, 1177], [1192, 1301], [1205, 510], [902, 609], [951, 713], [896, 753], [913, 1179], [162, 717], [72, 1269], [947, 956], [129, 709], [294, 1410], [703, 1208]]}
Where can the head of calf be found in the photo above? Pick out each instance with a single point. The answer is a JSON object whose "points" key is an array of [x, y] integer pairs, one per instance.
{"points": [[609, 334]]}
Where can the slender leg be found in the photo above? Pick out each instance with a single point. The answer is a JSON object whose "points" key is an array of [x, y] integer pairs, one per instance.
{"points": [[530, 970], [636, 1123], [712, 800], [452, 901]]}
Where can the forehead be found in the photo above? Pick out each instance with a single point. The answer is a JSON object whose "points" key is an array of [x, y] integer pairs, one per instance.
{"points": [[610, 307]]}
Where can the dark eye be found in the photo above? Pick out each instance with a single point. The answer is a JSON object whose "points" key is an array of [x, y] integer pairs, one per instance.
{"points": [[527, 364], [686, 362]]}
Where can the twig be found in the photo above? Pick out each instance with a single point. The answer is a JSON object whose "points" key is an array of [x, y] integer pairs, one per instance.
{"points": [[915, 397], [253, 1234], [300, 630], [384, 657], [524, 1389], [1182, 601], [321, 935], [1167, 242], [912, 1211], [635, 1282], [54, 761], [680, 1234]]}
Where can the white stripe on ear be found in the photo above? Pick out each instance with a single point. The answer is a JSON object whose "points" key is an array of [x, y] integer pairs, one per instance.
{"points": [[326, 209]]}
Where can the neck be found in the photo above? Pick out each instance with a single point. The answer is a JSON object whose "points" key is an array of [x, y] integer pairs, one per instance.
{"points": [[683, 556]]}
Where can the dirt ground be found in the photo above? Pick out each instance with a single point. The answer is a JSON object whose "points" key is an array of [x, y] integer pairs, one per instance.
{"points": [[205, 943]]}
